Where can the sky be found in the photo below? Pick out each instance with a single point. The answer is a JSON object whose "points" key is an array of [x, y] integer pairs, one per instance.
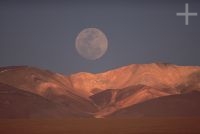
{"points": [[42, 33]]}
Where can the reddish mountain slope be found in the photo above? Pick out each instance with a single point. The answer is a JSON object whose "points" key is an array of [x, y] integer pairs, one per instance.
{"points": [[49, 85], [181, 105], [140, 83], [156, 75], [15, 103], [112, 100]]}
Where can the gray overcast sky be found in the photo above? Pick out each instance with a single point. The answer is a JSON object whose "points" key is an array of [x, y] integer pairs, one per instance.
{"points": [[42, 33]]}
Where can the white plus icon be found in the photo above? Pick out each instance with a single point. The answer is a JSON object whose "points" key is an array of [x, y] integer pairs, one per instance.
{"points": [[186, 14]]}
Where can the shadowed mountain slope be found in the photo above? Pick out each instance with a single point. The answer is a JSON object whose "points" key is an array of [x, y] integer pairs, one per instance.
{"points": [[112, 100], [15, 103], [182, 105], [52, 86]]}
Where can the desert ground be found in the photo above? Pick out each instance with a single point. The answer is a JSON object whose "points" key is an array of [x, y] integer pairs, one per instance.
{"points": [[100, 126]]}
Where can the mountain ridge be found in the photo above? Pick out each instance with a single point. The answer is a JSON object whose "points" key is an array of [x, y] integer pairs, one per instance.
{"points": [[134, 74], [102, 94]]}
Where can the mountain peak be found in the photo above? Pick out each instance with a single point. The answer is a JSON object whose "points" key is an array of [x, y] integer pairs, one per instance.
{"points": [[154, 75]]}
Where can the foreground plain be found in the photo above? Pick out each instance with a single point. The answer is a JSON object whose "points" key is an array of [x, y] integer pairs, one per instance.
{"points": [[100, 126]]}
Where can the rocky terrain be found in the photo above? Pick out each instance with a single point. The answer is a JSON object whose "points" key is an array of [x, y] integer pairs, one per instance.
{"points": [[135, 90]]}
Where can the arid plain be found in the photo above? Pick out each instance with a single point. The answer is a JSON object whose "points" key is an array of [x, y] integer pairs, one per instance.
{"points": [[101, 126]]}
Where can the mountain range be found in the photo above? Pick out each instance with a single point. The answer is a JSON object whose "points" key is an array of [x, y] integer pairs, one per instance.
{"points": [[137, 90]]}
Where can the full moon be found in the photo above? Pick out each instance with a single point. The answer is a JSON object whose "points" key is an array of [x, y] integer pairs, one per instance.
{"points": [[91, 43]]}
